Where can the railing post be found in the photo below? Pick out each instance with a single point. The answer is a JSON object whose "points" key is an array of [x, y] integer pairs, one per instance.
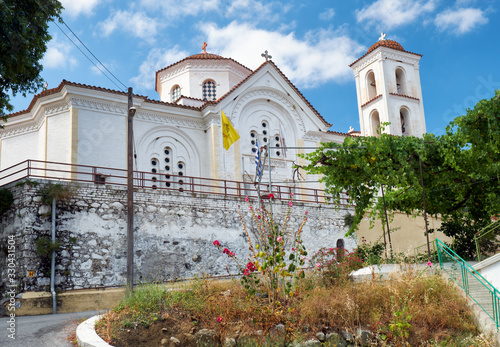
{"points": [[438, 247]]}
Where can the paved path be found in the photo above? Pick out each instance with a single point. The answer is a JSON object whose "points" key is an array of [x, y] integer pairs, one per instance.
{"points": [[49, 330]]}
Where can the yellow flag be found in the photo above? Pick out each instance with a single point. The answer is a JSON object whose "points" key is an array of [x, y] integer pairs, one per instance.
{"points": [[230, 135]]}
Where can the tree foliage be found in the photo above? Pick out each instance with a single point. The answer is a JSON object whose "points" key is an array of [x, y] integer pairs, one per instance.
{"points": [[23, 38], [460, 169]]}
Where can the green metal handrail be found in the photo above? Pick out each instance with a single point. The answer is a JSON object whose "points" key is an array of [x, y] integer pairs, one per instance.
{"points": [[472, 282], [417, 251], [482, 233]]}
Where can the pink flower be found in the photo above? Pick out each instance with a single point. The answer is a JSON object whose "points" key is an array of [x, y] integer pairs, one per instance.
{"points": [[290, 204], [246, 272], [219, 319], [251, 207], [307, 212], [279, 239], [246, 199], [292, 194], [258, 217], [293, 249], [216, 243], [318, 265], [270, 196], [429, 264]]}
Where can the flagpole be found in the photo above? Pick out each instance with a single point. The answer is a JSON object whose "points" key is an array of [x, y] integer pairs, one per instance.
{"points": [[270, 181], [222, 146]]}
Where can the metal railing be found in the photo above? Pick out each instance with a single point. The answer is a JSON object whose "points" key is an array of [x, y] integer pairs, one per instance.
{"points": [[421, 251], [38, 169], [472, 282]]}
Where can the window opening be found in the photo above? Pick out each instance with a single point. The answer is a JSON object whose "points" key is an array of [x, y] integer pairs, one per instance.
{"points": [[176, 93], [209, 92]]}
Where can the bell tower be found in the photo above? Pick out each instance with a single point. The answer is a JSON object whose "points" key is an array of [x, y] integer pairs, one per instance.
{"points": [[388, 90]]}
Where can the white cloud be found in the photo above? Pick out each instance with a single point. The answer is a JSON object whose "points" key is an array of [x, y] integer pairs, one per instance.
{"points": [[178, 8], [77, 7], [460, 21], [157, 59], [390, 14], [318, 58], [327, 14], [256, 10], [135, 23], [58, 55]]}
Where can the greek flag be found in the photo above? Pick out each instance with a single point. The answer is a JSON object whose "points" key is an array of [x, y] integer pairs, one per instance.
{"points": [[258, 164]]}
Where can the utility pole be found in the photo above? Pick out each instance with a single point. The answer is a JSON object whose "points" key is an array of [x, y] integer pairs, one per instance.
{"points": [[130, 192]]}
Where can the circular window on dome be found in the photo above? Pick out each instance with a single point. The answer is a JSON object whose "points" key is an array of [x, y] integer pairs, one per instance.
{"points": [[167, 152], [167, 160], [167, 168], [154, 162], [264, 124], [265, 139], [180, 166], [153, 170]]}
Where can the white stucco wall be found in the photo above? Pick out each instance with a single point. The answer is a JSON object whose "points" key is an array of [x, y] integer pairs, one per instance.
{"points": [[490, 269]]}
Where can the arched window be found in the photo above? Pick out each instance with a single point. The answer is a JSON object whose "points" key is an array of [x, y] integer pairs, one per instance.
{"points": [[176, 93], [154, 171], [404, 117], [375, 123], [168, 166], [371, 85], [340, 243], [401, 82], [209, 92]]}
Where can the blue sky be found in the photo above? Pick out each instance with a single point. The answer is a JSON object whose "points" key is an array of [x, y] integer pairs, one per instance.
{"points": [[312, 42]]}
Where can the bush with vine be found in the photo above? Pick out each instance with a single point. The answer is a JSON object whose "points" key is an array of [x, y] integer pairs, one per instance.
{"points": [[277, 255], [335, 264]]}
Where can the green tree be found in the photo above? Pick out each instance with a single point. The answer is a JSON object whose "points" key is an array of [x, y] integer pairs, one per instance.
{"points": [[23, 42], [461, 169]]}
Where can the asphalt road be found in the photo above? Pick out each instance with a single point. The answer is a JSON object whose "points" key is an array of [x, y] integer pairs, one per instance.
{"points": [[49, 330]]}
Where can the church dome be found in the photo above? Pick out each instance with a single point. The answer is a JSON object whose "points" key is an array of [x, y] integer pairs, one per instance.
{"points": [[386, 43], [204, 55]]}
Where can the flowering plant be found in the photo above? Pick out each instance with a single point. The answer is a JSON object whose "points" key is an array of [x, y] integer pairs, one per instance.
{"points": [[335, 263], [277, 254]]}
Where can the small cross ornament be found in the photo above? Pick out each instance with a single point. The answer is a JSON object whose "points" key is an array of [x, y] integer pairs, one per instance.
{"points": [[204, 47], [266, 55], [382, 37]]}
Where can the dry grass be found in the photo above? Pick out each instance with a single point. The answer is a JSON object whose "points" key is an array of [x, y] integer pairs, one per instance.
{"points": [[432, 308]]}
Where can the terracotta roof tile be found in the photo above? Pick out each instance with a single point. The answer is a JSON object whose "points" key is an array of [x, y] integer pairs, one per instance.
{"points": [[369, 101], [405, 96], [198, 56], [80, 85], [383, 43]]}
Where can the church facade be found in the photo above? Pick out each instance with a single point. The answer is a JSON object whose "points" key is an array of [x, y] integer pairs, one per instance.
{"points": [[180, 135]]}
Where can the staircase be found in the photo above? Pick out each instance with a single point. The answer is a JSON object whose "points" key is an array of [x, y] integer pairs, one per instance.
{"points": [[483, 297]]}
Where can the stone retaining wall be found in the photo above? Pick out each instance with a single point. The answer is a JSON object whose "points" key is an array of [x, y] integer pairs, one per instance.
{"points": [[174, 232]]}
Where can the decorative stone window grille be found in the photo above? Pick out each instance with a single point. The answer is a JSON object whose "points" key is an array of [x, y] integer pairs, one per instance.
{"points": [[209, 91], [168, 165], [277, 143], [181, 167], [154, 170], [253, 139], [176, 93]]}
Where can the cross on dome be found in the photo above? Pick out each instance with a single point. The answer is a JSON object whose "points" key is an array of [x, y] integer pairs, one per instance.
{"points": [[382, 37], [266, 55], [204, 47]]}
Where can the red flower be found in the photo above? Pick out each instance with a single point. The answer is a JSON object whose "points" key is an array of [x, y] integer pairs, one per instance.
{"points": [[258, 217], [219, 319], [225, 251], [216, 243], [246, 273], [232, 254], [270, 196]]}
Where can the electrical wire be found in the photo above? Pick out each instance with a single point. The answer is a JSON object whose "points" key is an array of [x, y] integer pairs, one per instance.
{"points": [[86, 56]]}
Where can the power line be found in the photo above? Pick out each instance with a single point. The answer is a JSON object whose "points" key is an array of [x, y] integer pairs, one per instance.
{"points": [[86, 56]]}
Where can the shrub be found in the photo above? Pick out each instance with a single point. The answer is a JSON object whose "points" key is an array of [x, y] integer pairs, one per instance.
{"points": [[335, 263], [370, 253], [6, 200]]}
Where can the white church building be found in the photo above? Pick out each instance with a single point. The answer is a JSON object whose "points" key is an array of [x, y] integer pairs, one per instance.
{"points": [[188, 189], [180, 134]]}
